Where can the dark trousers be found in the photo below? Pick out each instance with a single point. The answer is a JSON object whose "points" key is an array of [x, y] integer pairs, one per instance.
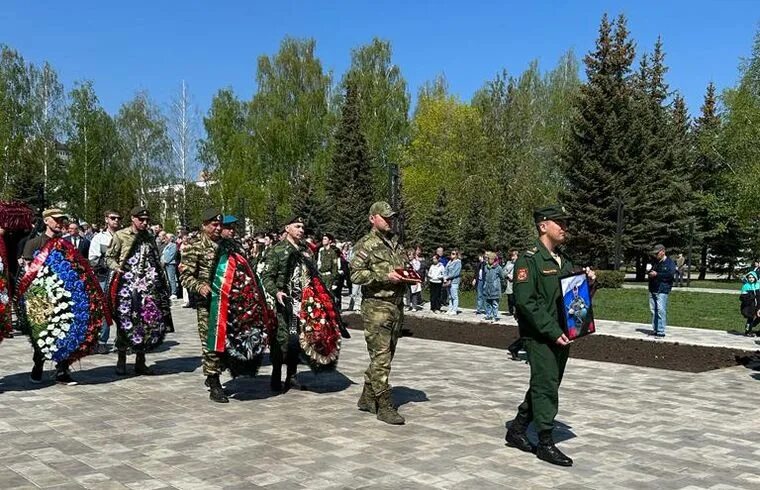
{"points": [[278, 358], [435, 296], [547, 366], [511, 303]]}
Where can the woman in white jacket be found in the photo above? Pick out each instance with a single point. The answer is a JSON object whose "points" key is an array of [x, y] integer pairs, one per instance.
{"points": [[435, 275]]}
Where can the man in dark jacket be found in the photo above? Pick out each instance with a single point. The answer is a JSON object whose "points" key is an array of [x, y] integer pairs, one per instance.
{"points": [[660, 283]]}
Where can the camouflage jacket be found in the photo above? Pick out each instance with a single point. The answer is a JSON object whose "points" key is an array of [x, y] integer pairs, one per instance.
{"points": [[375, 256], [197, 260], [279, 265], [122, 243]]}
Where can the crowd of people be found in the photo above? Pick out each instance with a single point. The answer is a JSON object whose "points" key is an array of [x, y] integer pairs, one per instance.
{"points": [[283, 291]]}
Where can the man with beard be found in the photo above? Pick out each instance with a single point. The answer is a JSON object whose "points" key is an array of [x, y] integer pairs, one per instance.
{"points": [[195, 272], [54, 220], [283, 279], [377, 258]]}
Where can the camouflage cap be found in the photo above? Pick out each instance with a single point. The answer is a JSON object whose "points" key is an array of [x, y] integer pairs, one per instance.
{"points": [[555, 213], [383, 209], [211, 214]]}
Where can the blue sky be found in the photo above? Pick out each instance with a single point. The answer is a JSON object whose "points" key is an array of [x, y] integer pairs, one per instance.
{"points": [[153, 45]]}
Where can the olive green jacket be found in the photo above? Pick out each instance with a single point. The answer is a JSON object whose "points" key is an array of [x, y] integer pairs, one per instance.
{"points": [[537, 293], [375, 256], [121, 245]]}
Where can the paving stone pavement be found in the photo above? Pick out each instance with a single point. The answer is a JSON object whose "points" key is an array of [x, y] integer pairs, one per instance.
{"points": [[626, 427]]}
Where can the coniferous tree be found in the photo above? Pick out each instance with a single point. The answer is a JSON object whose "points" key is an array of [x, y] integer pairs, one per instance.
{"points": [[308, 205], [472, 235], [596, 159], [349, 186], [657, 204], [435, 230]]}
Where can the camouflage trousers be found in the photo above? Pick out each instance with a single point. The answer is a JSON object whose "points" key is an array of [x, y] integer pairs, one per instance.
{"points": [[382, 328], [212, 361]]}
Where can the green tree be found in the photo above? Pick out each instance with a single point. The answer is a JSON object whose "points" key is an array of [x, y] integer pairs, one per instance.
{"points": [[596, 158], [96, 174], [15, 124], [144, 134], [383, 107], [290, 118], [225, 154], [349, 188]]}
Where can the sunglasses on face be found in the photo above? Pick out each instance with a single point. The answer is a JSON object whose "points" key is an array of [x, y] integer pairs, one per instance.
{"points": [[115, 218], [143, 220]]}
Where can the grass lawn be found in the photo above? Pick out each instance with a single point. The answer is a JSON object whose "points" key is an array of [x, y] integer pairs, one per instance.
{"points": [[685, 309], [707, 283]]}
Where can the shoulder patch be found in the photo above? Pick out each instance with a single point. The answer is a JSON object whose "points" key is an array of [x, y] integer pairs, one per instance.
{"points": [[522, 274]]}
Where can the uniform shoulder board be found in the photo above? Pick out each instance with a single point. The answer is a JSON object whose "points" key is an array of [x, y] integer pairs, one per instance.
{"points": [[531, 252]]}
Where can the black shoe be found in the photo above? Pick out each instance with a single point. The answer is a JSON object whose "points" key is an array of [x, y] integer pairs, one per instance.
{"points": [[514, 354], [64, 378], [216, 394], [36, 375], [275, 385], [547, 451], [141, 369], [292, 383], [121, 364], [551, 454], [519, 440]]}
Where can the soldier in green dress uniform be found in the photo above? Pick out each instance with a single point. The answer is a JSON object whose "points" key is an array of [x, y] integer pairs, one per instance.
{"points": [[377, 257], [537, 296]]}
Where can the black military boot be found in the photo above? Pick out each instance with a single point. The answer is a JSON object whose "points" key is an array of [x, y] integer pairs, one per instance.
{"points": [[548, 452], [140, 368], [121, 363], [367, 402], [216, 393], [517, 435], [386, 412]]}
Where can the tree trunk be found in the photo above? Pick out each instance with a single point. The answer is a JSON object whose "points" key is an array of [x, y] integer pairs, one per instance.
{"points": [[703, 263]]}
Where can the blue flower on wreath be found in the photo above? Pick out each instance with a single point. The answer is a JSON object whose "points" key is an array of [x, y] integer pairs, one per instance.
{"points": [[79, 302]]}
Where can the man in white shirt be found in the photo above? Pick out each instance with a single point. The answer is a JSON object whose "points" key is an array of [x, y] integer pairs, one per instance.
{"points": [[97, 259]]}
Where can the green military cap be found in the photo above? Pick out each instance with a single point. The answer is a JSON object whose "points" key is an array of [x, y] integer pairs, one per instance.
{"points": [[383, 209], [554, 213], [140, 212], [229, 220], [211, 214], [293, 220]]}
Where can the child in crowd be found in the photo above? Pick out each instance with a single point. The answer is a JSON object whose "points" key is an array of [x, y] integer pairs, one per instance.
{"points": [[750, 302], [494, 274]]}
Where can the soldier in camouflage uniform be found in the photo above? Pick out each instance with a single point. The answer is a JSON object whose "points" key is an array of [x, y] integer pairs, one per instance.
{"points": [[195, 271], [537, 296], [377, 256], [118, 251], [283, 277]]}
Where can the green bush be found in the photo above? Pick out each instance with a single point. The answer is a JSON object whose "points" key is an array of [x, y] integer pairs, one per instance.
{"points": [[466, 284], [609, 279]]}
